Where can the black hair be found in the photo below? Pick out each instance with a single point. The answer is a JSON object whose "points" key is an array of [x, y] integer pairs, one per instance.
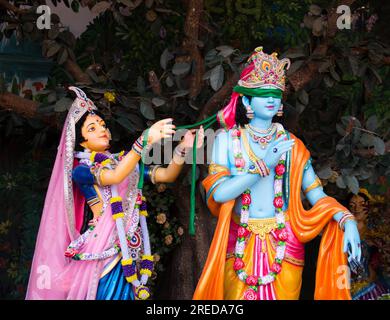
{"points": [[241, 118], [79, 125]]}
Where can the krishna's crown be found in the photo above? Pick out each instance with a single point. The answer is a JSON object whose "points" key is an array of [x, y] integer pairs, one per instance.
{"points": [[268, 71]]}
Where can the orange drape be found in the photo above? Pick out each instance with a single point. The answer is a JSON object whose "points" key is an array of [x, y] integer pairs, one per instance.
{"points": [[306, 225]]}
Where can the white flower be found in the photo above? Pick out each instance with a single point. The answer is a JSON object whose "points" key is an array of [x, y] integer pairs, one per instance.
{"points": [[278, 186], [240, 246], [244, 216], [280, 218], [242, 275], [280, 252]]}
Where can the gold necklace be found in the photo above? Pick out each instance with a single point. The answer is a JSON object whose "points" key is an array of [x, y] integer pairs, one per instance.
{"points": [[272, 128], [264, 140]]}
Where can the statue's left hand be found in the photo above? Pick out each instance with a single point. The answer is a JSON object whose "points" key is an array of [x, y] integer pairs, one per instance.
{"points": [[351, 236]]}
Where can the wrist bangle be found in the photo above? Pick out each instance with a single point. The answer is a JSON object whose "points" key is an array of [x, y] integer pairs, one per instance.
{"points": [[137, 146], [152, 173], [346, 216]]}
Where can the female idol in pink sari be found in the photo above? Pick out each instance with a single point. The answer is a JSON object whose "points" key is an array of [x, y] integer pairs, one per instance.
{"points": [[110, 258]]}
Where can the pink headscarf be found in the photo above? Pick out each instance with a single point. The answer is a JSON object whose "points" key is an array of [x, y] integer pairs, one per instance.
{"points": [[227, 116]]}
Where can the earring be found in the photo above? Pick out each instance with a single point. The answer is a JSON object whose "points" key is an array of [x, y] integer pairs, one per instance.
{"points": [[280, 111], [249, 112]]}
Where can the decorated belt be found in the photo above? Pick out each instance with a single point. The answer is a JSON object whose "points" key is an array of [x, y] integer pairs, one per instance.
{"points": [[259, 226]]}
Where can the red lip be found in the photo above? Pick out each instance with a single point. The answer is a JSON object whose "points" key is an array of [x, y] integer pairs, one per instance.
{"points": [[270, 107], [103, 136]]}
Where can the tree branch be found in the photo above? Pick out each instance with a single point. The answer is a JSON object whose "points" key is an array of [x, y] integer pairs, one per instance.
{"points": [[190, 43], [22, 106], [79, 75]]}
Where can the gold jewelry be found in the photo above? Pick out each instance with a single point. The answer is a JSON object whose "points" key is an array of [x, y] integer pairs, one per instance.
{"points": [[280, 111], [272, 129], [346, 216], [259, 165], [152, 173], [216, 168], [317, 183]]}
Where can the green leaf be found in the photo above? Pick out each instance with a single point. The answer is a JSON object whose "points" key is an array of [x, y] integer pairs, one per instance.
{"points": [[379, 145], [62, 105], [166, 56], [340, 182], [325, 172], [295, 66], [180, 93], [216, 77], [62, 56], [367, 140], [353, 184], [53, 49], [158, 102], [147, 109], [299, 107], [75, 6], [340, 130], [303, 97], [181, 68], [372, 123], [334, 74], [169, 82], [225, 51], [141, 88], [53, 32]]}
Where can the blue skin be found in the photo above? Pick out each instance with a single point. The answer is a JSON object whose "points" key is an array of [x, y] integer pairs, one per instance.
{"points": [[262, 188]]}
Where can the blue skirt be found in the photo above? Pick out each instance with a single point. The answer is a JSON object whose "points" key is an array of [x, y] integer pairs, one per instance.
{"points": [[113, 286]]}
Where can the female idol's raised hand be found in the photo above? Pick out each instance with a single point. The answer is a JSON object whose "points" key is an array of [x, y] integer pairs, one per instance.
{"points": [[161, 129]]}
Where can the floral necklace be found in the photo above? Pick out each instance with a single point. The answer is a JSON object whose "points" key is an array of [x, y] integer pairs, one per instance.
{"points": [[254, 282], [100, 160]]}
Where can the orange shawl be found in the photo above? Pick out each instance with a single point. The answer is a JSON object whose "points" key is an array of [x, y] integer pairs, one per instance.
{"points": [[306, 225]]}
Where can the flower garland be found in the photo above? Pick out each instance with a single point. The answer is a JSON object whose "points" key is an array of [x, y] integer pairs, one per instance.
{"points": [[129, 266], [243, 231], [239, 161]]}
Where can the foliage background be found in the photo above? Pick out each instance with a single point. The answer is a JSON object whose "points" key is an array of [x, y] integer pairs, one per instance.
{"points": [[141, 61]]}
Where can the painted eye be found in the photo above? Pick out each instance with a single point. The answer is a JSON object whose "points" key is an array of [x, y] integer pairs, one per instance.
{"points": [[91, 129]]}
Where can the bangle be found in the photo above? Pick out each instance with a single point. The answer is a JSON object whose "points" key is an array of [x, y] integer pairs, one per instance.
{"points": [[317, 183], [137, 146], [152, 173], [346, 216]]}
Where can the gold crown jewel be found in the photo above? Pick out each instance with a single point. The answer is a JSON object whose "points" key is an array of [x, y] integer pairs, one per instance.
{"points": [[268, 71]]}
